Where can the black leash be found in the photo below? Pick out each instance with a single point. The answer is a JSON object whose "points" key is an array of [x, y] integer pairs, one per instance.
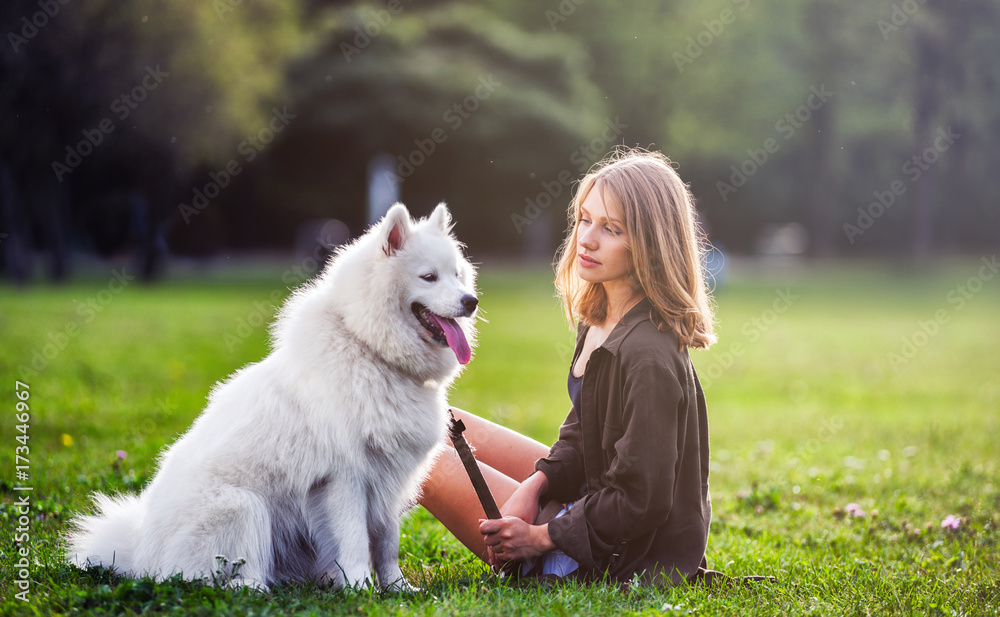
{"points": [[455, 429]]}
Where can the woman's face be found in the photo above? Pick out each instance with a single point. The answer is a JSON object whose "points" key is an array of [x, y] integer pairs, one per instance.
{"points": [[602, 254]]}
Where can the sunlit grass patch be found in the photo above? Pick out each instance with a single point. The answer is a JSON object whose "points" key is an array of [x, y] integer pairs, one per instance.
{"points": [[865, 488]]}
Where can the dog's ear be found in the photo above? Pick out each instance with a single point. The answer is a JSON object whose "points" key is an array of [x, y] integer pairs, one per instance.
{"points": [[395, 229], [441, 218]]}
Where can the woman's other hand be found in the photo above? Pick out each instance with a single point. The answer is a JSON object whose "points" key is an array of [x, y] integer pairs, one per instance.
{"points": [[523, 505]]}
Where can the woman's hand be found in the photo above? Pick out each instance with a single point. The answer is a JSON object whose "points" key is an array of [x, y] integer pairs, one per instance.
{"points": [[511, 539], [522, 504]]}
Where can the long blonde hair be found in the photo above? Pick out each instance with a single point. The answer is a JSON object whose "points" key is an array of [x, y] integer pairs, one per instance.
{"points": [[665, 244]]}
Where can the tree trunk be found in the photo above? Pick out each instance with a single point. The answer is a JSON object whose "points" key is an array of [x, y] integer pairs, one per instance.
{"points": [[926, 108]]}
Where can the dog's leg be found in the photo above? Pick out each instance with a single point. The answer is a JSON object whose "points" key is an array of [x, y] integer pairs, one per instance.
{"points": [[337, 526], [385, 495], [383, 540]]}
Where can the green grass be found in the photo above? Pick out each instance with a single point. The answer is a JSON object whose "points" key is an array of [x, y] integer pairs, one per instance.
{"points": [[807, 411]]}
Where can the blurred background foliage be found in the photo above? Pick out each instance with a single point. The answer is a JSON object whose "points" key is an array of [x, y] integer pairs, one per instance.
{"points": [[198, 128]]}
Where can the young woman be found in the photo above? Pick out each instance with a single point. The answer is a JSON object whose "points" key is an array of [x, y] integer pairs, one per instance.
{"points": [[629, 473]]}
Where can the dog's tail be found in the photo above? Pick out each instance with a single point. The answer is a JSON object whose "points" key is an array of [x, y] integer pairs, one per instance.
{"points": [[109, 537]]}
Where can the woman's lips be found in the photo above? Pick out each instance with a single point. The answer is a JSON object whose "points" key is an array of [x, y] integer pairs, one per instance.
{"points": [[587, 261]]}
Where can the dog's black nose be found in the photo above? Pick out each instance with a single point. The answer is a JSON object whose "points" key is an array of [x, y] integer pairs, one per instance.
{"points": [[469, 303]]}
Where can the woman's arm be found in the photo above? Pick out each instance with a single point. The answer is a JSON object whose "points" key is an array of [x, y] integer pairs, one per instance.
{"points": [[523, 503]]}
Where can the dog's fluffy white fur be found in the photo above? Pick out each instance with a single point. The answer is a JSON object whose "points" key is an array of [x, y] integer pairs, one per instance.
{"points": [[302, 464]]}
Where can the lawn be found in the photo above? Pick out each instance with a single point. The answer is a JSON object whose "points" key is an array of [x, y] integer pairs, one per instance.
{"points": [[853, 410]]}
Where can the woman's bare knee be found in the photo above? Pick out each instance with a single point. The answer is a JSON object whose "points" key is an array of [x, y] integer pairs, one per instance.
{"points": [[503, 449]]}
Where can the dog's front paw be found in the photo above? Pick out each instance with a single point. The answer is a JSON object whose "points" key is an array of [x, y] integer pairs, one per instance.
{"points": [[249, 583], [358, 579], [400, 585]]}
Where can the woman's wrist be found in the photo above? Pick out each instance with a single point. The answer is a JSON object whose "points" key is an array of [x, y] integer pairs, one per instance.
{"points": [[537, 482], [543, 541]]}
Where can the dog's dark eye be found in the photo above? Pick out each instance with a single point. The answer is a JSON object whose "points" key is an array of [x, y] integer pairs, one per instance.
{"points": [[430, 278]]}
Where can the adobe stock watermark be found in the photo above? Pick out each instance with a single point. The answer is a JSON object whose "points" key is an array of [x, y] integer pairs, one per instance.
{"points": [[899, 17], [957, 298], [258, 317], [122, 107], [828, 429], [20, 512], [371, 29], [453, 118], [87, 311], [566, 9], [225, 7], [786, 127], [139, 432], [262, 310], [31, 26], [581, 158], [220, 179], [913, 169], [714, 28], [752, 330]]}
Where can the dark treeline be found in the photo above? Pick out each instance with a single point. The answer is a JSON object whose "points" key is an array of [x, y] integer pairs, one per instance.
{"points": [[193, 127]]}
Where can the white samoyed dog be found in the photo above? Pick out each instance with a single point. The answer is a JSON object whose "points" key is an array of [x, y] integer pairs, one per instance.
{"points": [[302, 464]]}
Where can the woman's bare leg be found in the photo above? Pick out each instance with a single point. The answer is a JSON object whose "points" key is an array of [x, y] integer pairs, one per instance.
{"points": [[507, 451], [505, 457]]}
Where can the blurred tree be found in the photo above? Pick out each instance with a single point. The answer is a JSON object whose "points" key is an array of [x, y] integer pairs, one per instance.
{"points": [[471, 109], [103, 98], [776, 112], [955, 54], [761, 104]]}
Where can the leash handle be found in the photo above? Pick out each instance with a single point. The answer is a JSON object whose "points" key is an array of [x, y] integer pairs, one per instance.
{"points": [[455, 429]]}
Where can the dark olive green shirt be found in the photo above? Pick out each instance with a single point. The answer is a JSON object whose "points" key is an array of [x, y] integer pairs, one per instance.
{"points": [[634, 459]]}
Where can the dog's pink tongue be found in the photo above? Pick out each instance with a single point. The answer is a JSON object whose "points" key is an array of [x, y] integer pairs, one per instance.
{"points": [[456, 338]]}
